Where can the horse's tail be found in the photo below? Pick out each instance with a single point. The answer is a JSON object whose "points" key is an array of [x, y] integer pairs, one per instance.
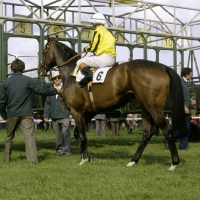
{"points": [[176, 92]]}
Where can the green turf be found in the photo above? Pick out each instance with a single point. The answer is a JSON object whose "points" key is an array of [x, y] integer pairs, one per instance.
{"points": [[106, 177]]}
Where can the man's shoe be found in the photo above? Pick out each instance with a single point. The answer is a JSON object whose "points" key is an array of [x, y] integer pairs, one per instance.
{"points": [[59, 153], [166, 143], [67, 154]]}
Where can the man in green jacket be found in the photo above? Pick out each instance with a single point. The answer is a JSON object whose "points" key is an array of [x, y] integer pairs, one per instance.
{"points": [[16, 108], [59, 113]]}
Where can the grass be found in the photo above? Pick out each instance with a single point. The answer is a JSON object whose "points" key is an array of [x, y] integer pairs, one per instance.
{"points": [[106, 177]]}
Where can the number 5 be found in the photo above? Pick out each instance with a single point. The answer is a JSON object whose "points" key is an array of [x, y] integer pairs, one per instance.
{"points": [[23, 28]]}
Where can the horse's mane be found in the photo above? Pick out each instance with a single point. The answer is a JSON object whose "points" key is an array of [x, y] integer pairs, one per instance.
{"points": [[68, 52]]}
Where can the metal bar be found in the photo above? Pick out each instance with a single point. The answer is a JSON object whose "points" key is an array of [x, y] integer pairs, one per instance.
{"points": [[130, 15], [145, 17], [197, 68], [1, 8], [29, 8], [159, 18], [192, 48], [56, 1], [189, 22], [172, 15], [79, 11], [113, 13], [20, 23], [63, 11], [58, 8], [36, 5], [188, 63], [88, 1], [41, 9]]}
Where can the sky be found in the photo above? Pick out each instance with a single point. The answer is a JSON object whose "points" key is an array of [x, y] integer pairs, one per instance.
{"points": [[29, 47]]}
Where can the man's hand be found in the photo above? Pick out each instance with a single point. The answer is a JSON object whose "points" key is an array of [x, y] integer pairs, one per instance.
{"points": [[59, 91], [187, 111], [46, 120]]}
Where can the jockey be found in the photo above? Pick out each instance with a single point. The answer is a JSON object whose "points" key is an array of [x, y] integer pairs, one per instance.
{"points": [[102, 45]]}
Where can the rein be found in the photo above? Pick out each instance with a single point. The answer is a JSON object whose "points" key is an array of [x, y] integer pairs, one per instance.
{"points": [[64, 63]]}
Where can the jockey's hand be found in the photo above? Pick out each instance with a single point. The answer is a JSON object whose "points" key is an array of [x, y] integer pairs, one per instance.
{"points": [[59, 91], [84, 50]]}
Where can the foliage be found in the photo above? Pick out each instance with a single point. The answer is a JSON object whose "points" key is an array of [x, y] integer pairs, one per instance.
{"points": [[106, 177]]}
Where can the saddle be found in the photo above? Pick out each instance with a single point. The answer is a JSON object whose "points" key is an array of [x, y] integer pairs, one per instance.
{"points": [[93, 69]]}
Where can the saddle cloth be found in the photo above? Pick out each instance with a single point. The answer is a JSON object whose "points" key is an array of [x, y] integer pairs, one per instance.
{"points": [[98, 76]]}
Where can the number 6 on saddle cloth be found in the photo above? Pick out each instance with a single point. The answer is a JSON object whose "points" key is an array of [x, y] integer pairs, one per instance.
{"points": [[99, 74]]}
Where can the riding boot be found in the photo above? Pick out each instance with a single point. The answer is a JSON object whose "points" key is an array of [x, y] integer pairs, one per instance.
{"points": [[88, 76], [8, 151]]}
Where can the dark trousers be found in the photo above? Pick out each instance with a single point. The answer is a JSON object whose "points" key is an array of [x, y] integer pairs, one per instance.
{"points": [[114, 126], [61, 129], [183, 135]]}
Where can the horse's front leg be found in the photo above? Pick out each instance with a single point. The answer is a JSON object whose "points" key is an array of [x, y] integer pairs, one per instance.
{"points": [[80, 136]]}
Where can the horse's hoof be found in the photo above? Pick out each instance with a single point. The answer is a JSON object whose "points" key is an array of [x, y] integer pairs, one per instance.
{"points": [[172, 167], [130, 164], [83, 161]]}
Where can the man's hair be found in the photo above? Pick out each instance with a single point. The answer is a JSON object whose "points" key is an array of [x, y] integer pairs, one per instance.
{"points": [[17, 65], [186, 71]]}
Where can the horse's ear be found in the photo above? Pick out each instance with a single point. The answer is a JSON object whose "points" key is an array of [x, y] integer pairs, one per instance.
{"points": [[48, 38], [56, 39]]}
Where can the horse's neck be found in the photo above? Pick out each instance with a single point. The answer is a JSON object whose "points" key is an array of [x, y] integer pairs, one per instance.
{"points": [[67, 70]]}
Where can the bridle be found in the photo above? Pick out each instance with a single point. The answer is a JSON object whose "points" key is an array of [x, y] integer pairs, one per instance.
{"points": [[43, 65]]}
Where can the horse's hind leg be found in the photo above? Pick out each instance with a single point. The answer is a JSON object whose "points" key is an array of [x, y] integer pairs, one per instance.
{"points": [[168, 133]]}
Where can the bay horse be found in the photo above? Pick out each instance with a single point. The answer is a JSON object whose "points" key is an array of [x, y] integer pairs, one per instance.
{"points": [[147, 81]]}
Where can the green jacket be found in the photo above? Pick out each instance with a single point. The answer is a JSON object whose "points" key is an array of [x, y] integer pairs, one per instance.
{"points": [[186, 93], [55, 109], [15, 95]]}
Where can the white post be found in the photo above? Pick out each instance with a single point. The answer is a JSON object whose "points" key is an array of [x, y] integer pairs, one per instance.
{"points": [[42, 10], [1, 8], [79, 11], [113, 11]]}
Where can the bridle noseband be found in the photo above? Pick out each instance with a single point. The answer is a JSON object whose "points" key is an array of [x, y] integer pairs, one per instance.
{"points": [[43, 65]]}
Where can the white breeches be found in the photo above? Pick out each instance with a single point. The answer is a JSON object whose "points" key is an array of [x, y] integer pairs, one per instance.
{"points": [[104, 60]]}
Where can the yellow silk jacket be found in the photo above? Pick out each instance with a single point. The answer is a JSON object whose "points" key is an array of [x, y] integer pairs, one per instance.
{"points": [[102, 42]]}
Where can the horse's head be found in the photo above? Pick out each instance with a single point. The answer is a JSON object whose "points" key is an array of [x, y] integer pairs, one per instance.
{"points": [[49, 57], [55, 54]]}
